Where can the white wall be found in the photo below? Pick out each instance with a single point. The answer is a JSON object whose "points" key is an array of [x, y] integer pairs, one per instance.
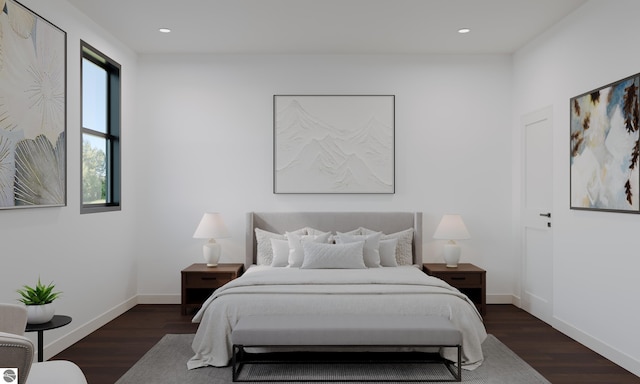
{"points": [[197, 136], [90, 258], [206, 139], [595, 253]]}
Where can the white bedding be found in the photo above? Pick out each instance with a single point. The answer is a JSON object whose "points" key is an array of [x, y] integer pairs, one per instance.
{"points": [[267, 290]]}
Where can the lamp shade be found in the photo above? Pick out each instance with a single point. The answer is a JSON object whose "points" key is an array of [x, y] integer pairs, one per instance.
{"points": [[451, 227], [211, 227]]}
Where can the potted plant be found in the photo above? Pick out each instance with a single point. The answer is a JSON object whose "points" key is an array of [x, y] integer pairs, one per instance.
{"points": [[39, 302]]}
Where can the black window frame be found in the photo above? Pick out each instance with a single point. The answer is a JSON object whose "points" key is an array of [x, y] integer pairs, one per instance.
{"points": [[113, 131]]}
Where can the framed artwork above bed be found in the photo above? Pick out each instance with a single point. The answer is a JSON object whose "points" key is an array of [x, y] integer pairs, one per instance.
{"points": [[605, 146], [334, 144]]}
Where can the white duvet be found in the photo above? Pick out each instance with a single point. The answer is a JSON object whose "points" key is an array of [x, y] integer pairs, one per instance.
{"points": [[266, 290]]}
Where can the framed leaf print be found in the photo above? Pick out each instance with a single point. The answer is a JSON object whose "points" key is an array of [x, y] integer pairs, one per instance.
{"points": [[32, 110]]}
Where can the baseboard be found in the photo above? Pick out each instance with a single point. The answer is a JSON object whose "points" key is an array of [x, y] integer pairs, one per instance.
{"points": [[84, 330], [64, 342], [622, 359], [159, 299], [598, 346]]}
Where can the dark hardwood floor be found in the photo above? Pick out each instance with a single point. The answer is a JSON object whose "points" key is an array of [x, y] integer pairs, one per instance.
{"points": [[108, 353]]}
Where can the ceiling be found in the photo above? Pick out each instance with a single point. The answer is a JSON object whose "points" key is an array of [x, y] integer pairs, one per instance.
{"points": [[326, 26]]}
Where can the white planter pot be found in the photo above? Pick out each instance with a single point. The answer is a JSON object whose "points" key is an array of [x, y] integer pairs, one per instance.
{"points": [[38, 314]]}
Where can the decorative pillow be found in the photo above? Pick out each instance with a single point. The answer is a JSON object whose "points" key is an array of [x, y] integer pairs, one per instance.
{"points": [[280, 253], [345, 256], [354, 232], [296, 252], [387, 252], [263, 240], [404, 249], [314, 232], [371, 245], [317, 232]]}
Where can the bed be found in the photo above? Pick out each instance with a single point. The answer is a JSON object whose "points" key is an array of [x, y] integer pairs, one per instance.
{"points": [[327, 290]]}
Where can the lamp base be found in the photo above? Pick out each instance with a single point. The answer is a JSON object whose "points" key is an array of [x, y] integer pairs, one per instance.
{"points": [[211, 253], [451, 255]]}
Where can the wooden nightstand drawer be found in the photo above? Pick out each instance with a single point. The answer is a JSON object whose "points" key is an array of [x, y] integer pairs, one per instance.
{"points": [[461, 279], [206, 280]]}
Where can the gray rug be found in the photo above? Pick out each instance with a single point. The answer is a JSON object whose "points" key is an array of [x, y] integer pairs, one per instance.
{"points": [[166, 363]]}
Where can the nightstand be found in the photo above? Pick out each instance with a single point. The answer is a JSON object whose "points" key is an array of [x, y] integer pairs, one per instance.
{"points": [[468, 278], [199, 282]]}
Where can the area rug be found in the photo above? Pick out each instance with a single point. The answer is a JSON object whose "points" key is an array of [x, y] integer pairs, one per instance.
{"points": [[166, 363]]}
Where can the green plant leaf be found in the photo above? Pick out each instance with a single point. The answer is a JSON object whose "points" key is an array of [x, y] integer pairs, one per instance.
{"points": [[41, 294]]}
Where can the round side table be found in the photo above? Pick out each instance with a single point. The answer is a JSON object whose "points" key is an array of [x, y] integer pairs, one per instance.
{"points": [[57, 322]]}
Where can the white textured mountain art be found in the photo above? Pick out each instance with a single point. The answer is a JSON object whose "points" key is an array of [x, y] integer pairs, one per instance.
{"points": [[334, 144]]}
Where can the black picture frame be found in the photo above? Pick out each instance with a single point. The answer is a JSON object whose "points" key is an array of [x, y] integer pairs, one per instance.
{"points": [[604, 148]]}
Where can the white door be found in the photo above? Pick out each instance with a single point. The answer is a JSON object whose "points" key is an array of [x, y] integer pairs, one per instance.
{"points": [[537, 231]]}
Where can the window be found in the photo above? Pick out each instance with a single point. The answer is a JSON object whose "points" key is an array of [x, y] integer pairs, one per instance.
{"points": [[100, 131]]}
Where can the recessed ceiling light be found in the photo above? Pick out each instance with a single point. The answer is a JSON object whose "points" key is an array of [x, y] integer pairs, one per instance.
{"points": [[464, 30], [164, 30]]}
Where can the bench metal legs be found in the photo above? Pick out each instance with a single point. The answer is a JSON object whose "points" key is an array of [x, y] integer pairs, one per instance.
{"points": [[238, 353], [458, 373], [240, 357]]}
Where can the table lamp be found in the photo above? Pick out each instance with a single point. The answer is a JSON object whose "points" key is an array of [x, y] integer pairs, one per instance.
{"points": [[451, 228], [211, 227]]}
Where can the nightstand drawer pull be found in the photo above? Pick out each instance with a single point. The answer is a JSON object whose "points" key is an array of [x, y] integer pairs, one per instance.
{"points": [[463, 280], [208, 278]]}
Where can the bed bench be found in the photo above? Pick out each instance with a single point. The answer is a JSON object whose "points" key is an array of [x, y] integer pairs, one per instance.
{"points": [[359, 331]]}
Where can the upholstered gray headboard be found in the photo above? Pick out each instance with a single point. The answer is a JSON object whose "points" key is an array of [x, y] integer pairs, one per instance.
{"points": [[280, 222]]}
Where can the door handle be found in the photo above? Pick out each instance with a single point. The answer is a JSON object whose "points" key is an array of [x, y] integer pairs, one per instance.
{"points": [[546, 215]]}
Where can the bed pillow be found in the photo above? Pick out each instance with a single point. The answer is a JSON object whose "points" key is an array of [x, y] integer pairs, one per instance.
{"points": [[314, 232], [263, 244], [404, 249], [296, 252], [387, 252], [354, 232], [280, 250], [317, 232], [264, 249], [371, 246], [344, 256]]}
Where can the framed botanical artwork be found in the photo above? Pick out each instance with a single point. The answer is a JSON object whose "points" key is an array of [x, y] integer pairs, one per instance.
{"points": [[604, 148], [32, 110], [334, 144]]}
